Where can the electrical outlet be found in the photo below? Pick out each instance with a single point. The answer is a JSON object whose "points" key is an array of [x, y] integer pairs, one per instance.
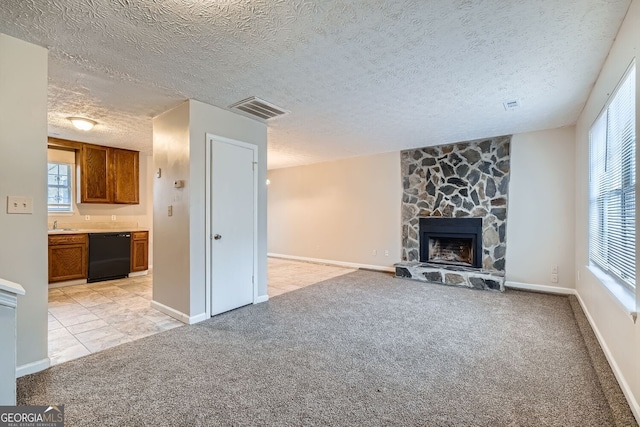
{"points": [[554, 269], [554, 278], [578, 274], [87, 217], [386, 252], [170, 210], [374, 252], [113, 217]]}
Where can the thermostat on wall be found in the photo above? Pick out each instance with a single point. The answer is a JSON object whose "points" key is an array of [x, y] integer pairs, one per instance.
{"points": [[178, 183]]}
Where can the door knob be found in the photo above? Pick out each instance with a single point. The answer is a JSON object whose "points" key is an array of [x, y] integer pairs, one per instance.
{"points": [[217, 236]]}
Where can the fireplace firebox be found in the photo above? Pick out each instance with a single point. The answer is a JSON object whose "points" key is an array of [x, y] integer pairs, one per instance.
{"points": [[451, 241]]}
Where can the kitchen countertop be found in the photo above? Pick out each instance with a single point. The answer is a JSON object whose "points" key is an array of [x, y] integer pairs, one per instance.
{"points": [[95, 230]]}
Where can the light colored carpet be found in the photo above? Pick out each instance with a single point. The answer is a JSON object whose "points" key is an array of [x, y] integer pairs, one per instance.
{"points": [[360, 349]]}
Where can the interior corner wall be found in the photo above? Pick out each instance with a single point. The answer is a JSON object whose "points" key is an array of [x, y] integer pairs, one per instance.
{"points": [[171, 274], [618, 333], [204, 119], [23, 161], [541, 211], [338, 211]]}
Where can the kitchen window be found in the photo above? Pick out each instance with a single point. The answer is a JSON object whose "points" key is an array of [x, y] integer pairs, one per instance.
{"points": [[59, 187], [612, 180]]}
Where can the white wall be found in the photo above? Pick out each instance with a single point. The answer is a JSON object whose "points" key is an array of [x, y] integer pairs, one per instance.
{"points": [[141, 215], [619, 334], [540, 225], [171, 279], [179, 149], [23, 160], [338, 211]]}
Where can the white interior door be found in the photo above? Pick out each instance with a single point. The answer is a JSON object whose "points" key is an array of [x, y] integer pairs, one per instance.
{"points": [[232, 225]]}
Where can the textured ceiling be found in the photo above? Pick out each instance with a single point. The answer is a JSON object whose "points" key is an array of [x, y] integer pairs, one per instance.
{"points": [[359, 76]]}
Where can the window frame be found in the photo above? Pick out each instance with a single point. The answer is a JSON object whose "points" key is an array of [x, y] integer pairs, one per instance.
{"points": [[627, 179], [54, 211]]}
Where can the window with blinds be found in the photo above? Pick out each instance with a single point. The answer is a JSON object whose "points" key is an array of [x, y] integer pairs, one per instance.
{"points": [[612, 178]]}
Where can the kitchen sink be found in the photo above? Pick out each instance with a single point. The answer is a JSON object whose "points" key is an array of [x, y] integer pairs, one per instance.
{"points": [[63, 229]]}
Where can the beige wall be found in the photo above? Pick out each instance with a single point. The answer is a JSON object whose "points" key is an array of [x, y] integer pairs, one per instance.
{"points": [[23, 160], [621, 336], [171, 280], [141, 215], [540, 226], [338, 211], [180, 241]]}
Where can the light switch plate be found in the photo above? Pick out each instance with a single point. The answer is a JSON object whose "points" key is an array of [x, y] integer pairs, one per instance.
{"points": [[19, 205]]}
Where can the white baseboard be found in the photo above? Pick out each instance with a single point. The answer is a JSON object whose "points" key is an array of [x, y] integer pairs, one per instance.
{"points": [[138, 273], [628, 394], [261, 298], [67, 283], [30, 368], [178, 315], [540, 288], [332, 262]]}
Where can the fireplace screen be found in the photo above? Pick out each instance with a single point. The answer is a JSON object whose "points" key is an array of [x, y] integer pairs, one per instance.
{"points": [[451, 250], [453, 241]]}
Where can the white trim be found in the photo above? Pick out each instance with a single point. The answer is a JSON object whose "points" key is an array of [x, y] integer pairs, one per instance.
{"points": [[178, 315], [261, 298], [67, 283], [11, 287], [208, 201], [540, 288], [620, 293], [332, 262], [8, 299], [33, 367], [138, 273], [626, 390]]}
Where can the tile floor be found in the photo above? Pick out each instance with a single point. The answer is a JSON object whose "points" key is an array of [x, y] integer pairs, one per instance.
{"points": [[87, 318], [285, 275], [84, 319]]}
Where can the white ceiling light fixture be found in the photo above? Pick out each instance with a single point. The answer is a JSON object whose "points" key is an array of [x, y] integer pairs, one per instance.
{"points": [[82, 124]]}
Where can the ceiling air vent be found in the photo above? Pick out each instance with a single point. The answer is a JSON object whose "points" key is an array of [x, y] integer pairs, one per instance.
{"points": [[511, 104], [258, 108]]}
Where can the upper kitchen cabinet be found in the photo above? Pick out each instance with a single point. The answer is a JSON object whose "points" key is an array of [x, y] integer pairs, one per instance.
{"points": [[126, 176], [108, 175], [96, 176]]}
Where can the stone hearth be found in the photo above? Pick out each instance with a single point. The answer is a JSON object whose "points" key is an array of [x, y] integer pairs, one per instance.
{"points": [[451, 275]]}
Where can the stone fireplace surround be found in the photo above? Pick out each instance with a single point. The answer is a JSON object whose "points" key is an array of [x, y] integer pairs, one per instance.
{"points": [[464, 180]]}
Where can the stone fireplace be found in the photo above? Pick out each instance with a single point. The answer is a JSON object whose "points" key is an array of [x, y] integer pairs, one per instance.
{"points": [[454, 213]]}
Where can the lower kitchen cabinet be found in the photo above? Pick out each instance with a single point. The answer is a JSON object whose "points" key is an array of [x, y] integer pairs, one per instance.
{"points": [[68, 257], [139, 251]]}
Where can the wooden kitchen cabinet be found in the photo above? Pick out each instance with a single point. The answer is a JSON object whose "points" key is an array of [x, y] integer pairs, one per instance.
{"points": [[68, 257], [139, 251], [96, 176], [108, 175], [126, 176]]}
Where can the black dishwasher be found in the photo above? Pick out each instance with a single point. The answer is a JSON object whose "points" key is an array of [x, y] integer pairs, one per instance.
{"points": [[109, 256]]}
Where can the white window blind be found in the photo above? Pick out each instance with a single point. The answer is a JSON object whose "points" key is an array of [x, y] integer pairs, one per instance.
{"points": [[612, 196]]}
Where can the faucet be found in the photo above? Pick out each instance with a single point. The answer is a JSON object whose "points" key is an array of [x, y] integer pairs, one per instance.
{"points": [[55, 224]]}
